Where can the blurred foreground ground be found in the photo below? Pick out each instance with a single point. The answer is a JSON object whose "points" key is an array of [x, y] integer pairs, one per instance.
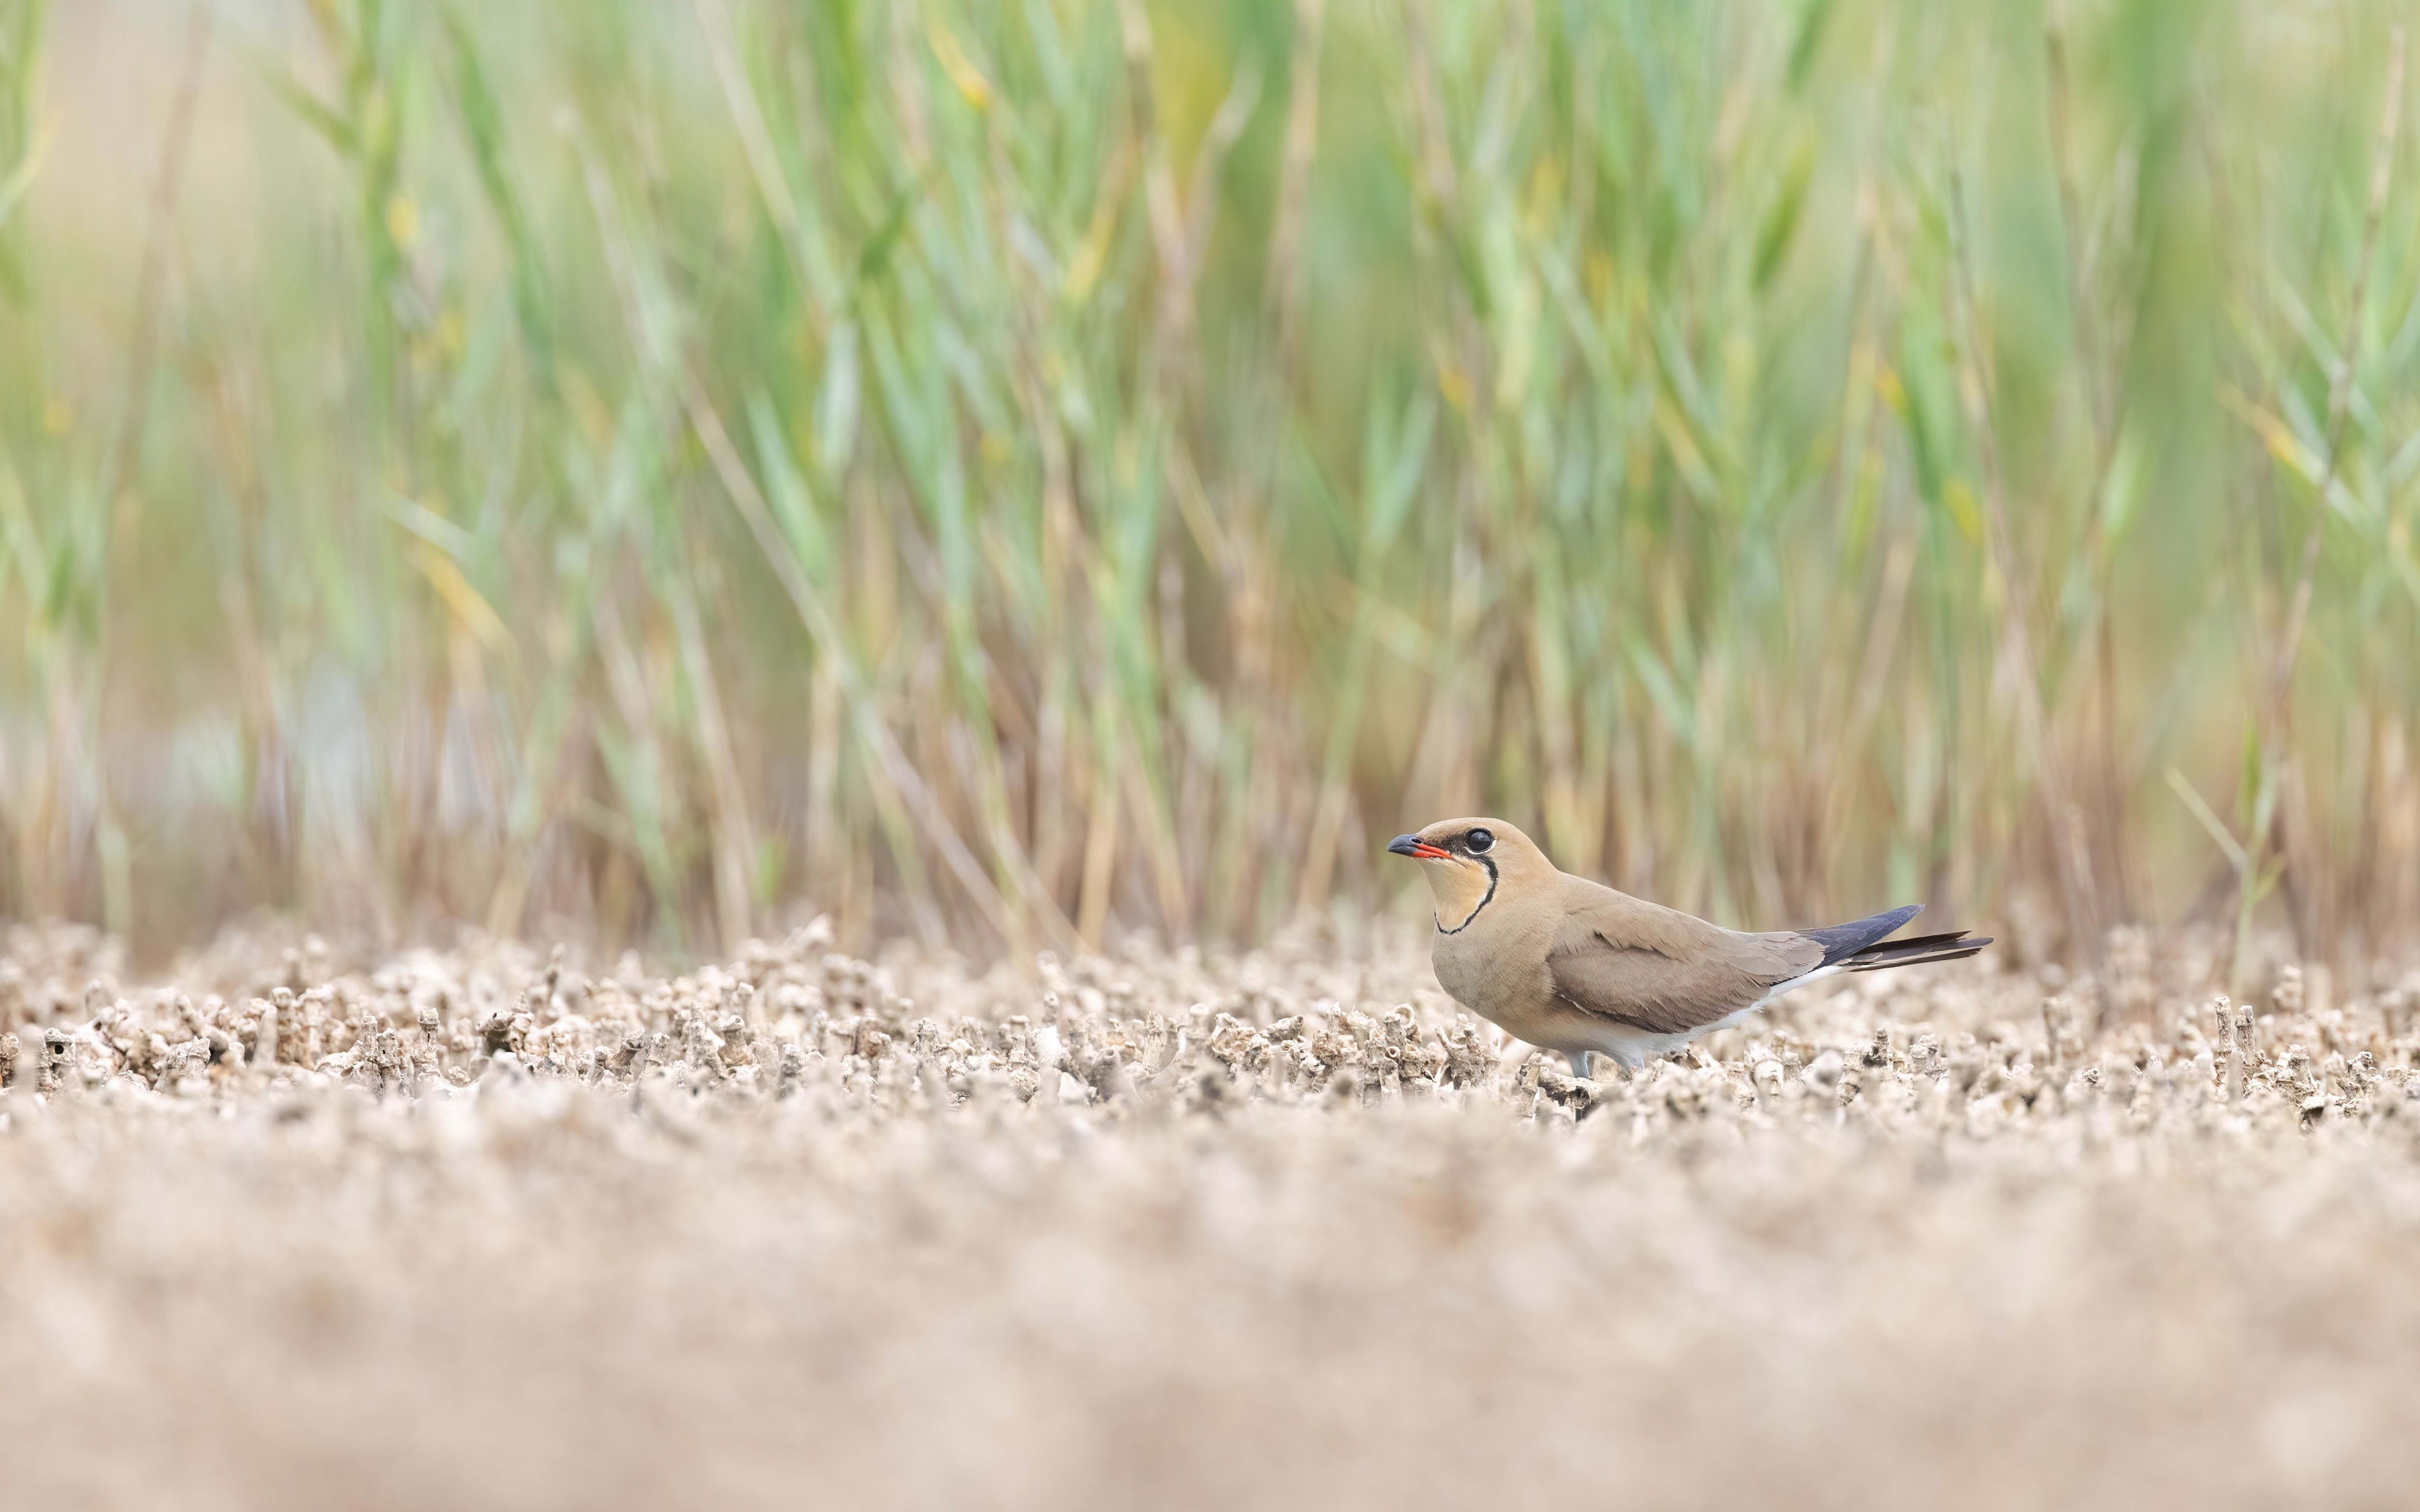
{"points": [[1177, 1230]]}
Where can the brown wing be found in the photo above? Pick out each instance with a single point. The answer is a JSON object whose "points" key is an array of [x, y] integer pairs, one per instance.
{"points": [[1661, 970]]}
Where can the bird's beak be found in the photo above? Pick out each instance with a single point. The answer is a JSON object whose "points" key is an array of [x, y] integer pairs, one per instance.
{"points": [[1415, 847]]}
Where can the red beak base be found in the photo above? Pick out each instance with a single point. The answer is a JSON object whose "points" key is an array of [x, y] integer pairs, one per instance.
{"points": [[1417, 848]]}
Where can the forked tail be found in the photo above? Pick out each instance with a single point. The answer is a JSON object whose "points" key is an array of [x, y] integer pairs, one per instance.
{"points": [[1861, 945]]}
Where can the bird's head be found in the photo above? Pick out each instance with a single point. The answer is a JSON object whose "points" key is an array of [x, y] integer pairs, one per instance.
{"points": [[1469, 862]]}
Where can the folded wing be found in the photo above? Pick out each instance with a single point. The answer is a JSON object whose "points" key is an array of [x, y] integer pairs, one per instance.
{"points": [[1661, 971]]}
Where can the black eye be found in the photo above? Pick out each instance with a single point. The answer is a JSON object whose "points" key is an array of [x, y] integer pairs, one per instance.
{"points": [[1479, 840]]}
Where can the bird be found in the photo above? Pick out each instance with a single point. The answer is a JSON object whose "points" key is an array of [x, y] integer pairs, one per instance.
{"points": [[1572, 966]]}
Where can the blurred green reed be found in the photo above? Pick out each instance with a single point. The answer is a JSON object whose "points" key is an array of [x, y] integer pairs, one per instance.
{"points": [[1013, 472]]}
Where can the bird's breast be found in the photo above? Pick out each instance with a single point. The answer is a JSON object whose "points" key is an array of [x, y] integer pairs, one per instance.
{"points": [[1457, 972], [1484, 970]]}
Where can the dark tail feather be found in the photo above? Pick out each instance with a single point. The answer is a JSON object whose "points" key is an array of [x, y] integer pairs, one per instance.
{"points": [[1862, 945], [1922, 951], [1841, 941]]}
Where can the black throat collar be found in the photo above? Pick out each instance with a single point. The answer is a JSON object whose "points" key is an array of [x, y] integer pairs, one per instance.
{"points": [[1490, 897]]}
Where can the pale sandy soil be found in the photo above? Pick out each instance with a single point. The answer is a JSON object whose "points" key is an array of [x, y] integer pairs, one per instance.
{"points": [[1165, 1230]]}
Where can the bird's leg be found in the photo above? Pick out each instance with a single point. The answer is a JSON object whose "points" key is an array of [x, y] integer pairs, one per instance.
{"points": [[1584, 1092], [1617, 1068]]}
